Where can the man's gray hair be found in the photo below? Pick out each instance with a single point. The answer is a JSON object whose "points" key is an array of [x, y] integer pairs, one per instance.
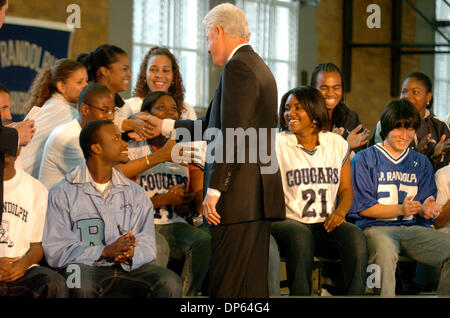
{"points": [[230, 18]]}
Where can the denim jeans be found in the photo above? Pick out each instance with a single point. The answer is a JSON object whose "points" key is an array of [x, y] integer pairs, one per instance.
{"points": [[38, 282], [425, 245], [190, 245], [147, 281], [299, 243]]}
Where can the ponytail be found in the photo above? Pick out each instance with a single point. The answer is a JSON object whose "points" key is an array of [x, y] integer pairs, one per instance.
{"points": [[44, 85], [41, 89], [103, 55]]}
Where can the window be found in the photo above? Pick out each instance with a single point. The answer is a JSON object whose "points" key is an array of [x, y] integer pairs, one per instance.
{"points": [[177, 25], [274, 36], [442, 65]]}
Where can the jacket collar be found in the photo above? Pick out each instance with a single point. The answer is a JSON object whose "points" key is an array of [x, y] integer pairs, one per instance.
{"points": [[81, 175], [236, 49]]}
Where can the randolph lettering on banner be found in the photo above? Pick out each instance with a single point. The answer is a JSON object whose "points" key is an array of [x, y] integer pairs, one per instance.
{"points": [[26, 47]]}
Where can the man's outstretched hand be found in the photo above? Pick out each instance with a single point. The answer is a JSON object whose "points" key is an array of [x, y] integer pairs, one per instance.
{"points": [[155, 123]]}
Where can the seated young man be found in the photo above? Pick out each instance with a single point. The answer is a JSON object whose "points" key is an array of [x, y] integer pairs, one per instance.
{"points": [[103, 222], [394, 200], [22, 224]]}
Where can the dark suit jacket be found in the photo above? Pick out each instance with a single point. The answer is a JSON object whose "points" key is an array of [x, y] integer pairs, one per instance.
{"points": [[245, 97]]}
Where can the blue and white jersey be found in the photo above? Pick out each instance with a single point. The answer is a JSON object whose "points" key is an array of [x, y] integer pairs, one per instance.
{"points": [[379, 178], [311, 179]]}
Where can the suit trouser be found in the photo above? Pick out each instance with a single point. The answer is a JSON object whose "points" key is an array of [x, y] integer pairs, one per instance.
{"points": [[239, 260]]}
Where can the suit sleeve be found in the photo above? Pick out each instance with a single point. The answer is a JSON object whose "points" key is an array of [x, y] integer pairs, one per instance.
{"points": [[190, 130], [9, 140], [240, 91]]}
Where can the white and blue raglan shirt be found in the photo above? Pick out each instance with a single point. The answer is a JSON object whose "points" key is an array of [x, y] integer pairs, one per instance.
{"points": [[81, 221], [311, 179], [159, 178], [379, 178]]}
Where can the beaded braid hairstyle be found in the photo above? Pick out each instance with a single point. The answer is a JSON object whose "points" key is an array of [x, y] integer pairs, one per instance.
{"points": [[327, 68], [176, 88]]}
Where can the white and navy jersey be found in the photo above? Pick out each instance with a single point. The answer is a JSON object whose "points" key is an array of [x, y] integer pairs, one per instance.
{"points": [[311, 179], [158, 179], [25, 206], [379, 178]]}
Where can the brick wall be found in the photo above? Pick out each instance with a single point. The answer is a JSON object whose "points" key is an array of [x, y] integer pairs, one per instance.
{"points": [[94, 19], [370, 78]]}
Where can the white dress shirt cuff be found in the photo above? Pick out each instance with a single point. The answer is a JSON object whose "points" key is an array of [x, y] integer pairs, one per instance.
{"points": [[213, 192], [167, 127]]}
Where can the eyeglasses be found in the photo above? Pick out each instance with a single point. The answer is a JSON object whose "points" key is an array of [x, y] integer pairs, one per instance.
{"points": [[105, 111], [166, 109]]}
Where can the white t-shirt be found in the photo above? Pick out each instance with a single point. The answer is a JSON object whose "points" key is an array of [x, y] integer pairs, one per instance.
{"points": [[56, 111], [62, 152], [442, 178], [23, 218], [133, 106], [311, 179]]}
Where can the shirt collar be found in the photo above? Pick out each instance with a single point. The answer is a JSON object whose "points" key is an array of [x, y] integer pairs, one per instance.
{"points": [[291, 140], [235, 49], [59, 96], [81, 174]]}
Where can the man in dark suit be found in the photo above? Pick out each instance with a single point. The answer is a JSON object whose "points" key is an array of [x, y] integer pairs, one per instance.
{"points": [[241, 198]]}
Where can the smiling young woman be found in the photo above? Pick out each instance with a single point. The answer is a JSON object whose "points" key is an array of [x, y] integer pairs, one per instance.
{"points": [[316, 173], [55, 90], [110, 65], [159, 71]]}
